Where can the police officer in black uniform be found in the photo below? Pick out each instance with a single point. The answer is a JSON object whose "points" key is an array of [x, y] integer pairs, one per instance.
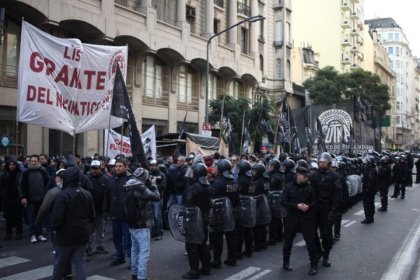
{"points": [[276, 180], [384, 181], [224, 186], [329, 194], [299, 199], [370, 186], [199, 194], [260, 185], [400, 173], [335, 167], [244, 234]]}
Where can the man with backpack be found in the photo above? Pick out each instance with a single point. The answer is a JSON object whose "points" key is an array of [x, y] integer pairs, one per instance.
{"points": [[138, 214]]}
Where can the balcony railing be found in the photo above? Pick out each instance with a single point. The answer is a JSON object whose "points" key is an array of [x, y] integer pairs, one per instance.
{"points": [[220, 3], [191, 105], [162, 100], [8, 76], [244, 9], [129, 4]]}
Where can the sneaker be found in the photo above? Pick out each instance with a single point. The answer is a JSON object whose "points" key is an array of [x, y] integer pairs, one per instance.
{"points": [[101, 250], [33, 239], [41, 238]]}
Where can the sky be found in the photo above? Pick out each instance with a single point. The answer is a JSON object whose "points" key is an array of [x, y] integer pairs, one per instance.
{"points": [[404, 12]]}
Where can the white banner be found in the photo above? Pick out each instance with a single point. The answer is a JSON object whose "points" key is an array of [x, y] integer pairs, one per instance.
{"points": [[116, 145], [64, 84]]}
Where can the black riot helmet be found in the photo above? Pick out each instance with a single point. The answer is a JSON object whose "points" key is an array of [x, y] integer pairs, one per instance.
{"points": [[245, 168], [259, 169], [302, 163], [288, 165], [200, 173], [275, 163], [225, 167]]}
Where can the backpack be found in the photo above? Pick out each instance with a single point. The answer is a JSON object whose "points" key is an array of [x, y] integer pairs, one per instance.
{"points": [[132, 204]]}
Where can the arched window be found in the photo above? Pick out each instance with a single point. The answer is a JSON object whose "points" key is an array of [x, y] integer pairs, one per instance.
{"points": [[279, 69], [154, 78]]}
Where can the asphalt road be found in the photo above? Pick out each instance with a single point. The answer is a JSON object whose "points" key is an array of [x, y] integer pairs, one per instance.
{"points": [[385, 250]]}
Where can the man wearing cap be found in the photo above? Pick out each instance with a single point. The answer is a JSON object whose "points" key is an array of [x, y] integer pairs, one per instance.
{"points": [[100, 182], [179, 181], [155, 173], [299, 199]]}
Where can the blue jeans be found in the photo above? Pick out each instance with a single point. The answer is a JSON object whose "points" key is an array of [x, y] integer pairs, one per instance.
{"points": [[140, 251], [67, 255], [175, 199], [122, 240], [157, 214]]}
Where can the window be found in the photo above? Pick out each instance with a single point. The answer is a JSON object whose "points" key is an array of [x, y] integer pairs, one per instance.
{"points": [[287, 35], [216, 26], [390, 50], [244, 40], [398, 105], [234, 89], [279, 69], [397, 36], [390, 36], [187, 91], [262, 64], [9, 51], [399, 120], [212, 87], [261, 30], [288, 70], [154, 78], [279, 31]]}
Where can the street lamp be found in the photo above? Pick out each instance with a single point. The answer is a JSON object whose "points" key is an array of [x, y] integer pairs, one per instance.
{"points": [[250, 19]]}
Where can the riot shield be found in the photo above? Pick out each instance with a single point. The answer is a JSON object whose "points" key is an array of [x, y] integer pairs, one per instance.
{"points": [[221, 218], [186, 224], [263, 210], [274, 198], [247, 212], [353, 183]]}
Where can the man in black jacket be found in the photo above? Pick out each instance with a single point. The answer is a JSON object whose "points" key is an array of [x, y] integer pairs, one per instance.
{"points": [[179, 181], [32, 190], [157, 231], [276, 179], [72, 217], [140, 229], [299, 199], [113, 210], [384, 181], [100, 182], [370, 186]]}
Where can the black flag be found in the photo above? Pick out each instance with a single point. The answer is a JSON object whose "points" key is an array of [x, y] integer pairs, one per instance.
{"points": [[246, 140], [308, 132], [266, 126], [284, 126], [121, 107], [225, 124], [294, 134], [320, 136]]}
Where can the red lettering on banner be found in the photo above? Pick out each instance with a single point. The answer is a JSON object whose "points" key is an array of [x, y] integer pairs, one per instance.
{"points": [[89, 74], [63, 75], [40, 95], [75, 54], [100, 80]]}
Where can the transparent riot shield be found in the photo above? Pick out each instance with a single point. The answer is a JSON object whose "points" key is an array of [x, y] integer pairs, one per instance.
{"points": [[221, 218], [247, 211], [186, 224], [263, 210]]}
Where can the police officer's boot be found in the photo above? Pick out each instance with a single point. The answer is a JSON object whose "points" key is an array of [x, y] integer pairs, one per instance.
{"points": [[325, 261], [314, 269], [286, 264]]}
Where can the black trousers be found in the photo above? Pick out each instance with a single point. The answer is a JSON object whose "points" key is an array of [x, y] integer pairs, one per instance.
{"points": [[13, 213], [337, 225], [244, 235], [197, 253], [369, 205], [260, 237], [398, 186], [217, 239], [324, 225], [383, 191], [292, 225], [275, 229]]}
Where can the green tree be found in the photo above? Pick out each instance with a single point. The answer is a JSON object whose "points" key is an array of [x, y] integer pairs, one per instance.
{"points": [[329, 87], [236, 109]]}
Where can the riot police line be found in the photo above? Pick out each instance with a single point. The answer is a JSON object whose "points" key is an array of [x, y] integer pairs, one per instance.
{"points": [[267, 202]]}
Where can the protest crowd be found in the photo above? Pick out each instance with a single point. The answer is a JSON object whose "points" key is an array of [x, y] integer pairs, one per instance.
{"points": [[252, 201]]}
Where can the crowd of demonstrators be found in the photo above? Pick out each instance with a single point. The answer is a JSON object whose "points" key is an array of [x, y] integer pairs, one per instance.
{"points": [[294, 194]]}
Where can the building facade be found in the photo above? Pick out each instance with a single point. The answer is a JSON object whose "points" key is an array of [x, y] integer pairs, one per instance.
{"points": [[392, 37], [166, 62]]}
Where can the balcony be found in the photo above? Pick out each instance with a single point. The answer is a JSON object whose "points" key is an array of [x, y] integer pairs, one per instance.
{"points": [[354, 66], [280, 4], [219, 3], [244, 9], [345, 23], [162, 101], [355, 15], [355, 49], [191, 105], [345, 5], [278, 44], [355, 1], [354, 32], [345, 42], [345, 61]]}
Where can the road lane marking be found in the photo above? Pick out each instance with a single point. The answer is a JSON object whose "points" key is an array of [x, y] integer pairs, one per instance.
{"points": [[34, 274], [259, 275], [98, 277], [244, 273], [414, 209], [12, 261], [403, 262], [359, 213], [300, 243], [349, 224], [343, 222]]}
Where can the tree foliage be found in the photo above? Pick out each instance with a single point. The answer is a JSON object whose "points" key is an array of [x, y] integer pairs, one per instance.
{"points": [[236, 109], [329, 87]]}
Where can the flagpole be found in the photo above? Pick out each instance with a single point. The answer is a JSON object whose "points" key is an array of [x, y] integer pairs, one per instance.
{"points": [[288, 131], [242, 133], [74, 143]]}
